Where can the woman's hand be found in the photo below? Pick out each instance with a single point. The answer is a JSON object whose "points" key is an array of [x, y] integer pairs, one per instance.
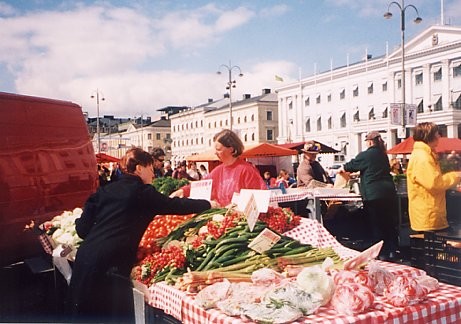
{"points": [[178, 193], [214, 204]]}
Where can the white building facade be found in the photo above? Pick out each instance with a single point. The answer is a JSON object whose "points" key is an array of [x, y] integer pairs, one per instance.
{"points": [[255, 120], [340, 106]]}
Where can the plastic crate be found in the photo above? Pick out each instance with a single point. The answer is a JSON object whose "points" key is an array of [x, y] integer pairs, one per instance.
{"points": [[417, 251], [443, 261]]}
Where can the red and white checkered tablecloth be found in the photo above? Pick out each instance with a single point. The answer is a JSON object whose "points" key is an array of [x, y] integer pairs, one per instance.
{"points": [[441, 306], [293, 194]]}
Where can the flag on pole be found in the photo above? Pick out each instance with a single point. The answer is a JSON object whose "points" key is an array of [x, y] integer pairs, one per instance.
{"points": [[278, 78]]}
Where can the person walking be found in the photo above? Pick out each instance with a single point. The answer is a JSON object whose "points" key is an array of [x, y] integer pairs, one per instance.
{"points": [[378, 192]]}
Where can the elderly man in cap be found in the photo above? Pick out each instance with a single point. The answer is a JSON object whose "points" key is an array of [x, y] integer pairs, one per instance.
{"points": [[378, 192], [309, 169]]}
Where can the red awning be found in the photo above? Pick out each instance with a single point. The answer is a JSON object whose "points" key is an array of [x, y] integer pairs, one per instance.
{"points": [[266, 150], [446, 145], [104, 158]]}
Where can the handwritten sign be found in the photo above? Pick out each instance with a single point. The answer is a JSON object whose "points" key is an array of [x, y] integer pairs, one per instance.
{"points": [[251, 212], [201, 189], [262, 199], [264, 241]]}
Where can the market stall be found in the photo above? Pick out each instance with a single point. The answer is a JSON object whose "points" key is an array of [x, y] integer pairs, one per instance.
{"points": [[442, 303]]}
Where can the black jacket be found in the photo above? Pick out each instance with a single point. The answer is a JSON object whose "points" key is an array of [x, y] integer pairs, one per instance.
{"points": [[375, 178], [112, 224]]}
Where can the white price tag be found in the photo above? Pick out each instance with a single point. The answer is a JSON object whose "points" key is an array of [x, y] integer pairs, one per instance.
{"points": [[251, 212], [264, 241], [201, 189]]}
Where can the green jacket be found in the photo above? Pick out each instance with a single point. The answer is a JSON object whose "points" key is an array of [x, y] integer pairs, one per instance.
{"points": [[375, 177]]}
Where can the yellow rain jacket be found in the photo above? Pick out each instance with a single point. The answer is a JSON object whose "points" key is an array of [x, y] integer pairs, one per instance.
{"points": [[426, 189]]}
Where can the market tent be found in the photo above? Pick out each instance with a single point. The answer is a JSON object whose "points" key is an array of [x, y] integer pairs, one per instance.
{"points": [[104, 158], [299, 145], [266, 150], [205, 156], [446, 145]]}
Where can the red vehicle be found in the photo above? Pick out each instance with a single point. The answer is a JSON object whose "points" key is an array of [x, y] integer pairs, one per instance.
{"points": [[47, 166]]}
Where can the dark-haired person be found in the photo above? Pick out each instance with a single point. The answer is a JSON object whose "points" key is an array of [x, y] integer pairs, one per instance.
{"points": [[111, 226], [378, 192], [159, 158], [425, 182], [232, 174]]}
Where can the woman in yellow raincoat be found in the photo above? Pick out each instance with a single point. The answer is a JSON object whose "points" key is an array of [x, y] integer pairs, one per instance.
{"points": [[426, 183]]}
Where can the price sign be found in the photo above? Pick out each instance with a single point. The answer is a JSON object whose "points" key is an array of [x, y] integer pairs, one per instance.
{"points": [[264, 241], [201, 189], [251, 211]]}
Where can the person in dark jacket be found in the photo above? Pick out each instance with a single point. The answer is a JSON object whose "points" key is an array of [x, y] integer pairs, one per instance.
{"points": [[111, 226], [378, 192]]}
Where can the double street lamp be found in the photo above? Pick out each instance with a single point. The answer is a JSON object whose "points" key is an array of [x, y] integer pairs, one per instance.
{"points": [[230, 84], [98, 130], [417, 20]]}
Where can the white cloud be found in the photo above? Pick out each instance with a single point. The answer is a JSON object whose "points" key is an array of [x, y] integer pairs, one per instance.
{"points": [[274, 11], [6, 9], [68, 54]]}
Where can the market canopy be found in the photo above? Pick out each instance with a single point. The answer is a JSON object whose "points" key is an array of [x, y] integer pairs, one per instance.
{"points": [[266, 150], [104, 158], [446, 145], [203, 157], [299, 145]]}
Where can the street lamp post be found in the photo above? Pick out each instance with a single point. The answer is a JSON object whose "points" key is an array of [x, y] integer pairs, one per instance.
{"points": [[417, 20], [230, 85], [98, 131]]}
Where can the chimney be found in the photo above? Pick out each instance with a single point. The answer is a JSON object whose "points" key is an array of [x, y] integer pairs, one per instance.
{"points": [[226, 95], [266, 91], [246, 96], [210, 100]]}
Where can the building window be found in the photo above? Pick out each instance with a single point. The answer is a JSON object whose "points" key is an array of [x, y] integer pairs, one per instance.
{"points": [[342, 121], [329, 97], [371, 114], [168, 136], [419, 78], [357, 116], [330, 123], [420, 107], [238, 120], [319, 124], [342, 94], [290, 104], [370, 87], [308, 125], [384, 86], [438, 74], [209, 125], [157, 136], [457, 70], [245, 119], [399, 83], [149, 136], [270, 135], [307, 102], [457, 103], [253, 137], [246, 137], [355, 91], [385, 113], [252, 118], [438, 104], [269, 115], [318, 99]]}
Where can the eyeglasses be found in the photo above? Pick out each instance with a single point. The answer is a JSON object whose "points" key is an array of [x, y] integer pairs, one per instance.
{"points": [[161, 160]]}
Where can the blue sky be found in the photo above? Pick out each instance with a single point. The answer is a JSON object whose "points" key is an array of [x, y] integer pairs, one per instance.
{"points": [[145, 55]]}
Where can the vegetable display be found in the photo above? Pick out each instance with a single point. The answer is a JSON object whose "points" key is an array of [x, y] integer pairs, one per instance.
{"points": [[214, 245], [167, 185]]}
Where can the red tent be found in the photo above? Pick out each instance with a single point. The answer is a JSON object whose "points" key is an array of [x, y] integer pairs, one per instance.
{"points": [[446, 145], [266, 150], [104, 158]]}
